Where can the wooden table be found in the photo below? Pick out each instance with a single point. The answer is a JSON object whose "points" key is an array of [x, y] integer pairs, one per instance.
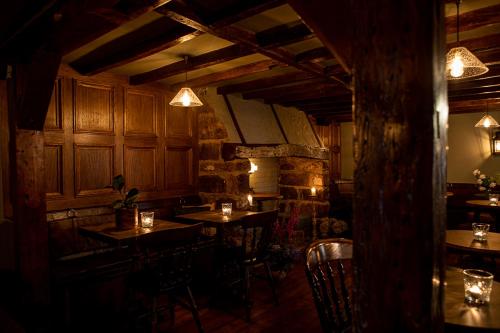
{"points": [[261, 197], [484, 206], [215, 218], [463, 240], [460, 316], [108, 232]]}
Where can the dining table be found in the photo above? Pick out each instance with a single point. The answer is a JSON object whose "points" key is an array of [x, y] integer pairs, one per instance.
{"points": [[483, 205], [463, 241], [462, 317]]}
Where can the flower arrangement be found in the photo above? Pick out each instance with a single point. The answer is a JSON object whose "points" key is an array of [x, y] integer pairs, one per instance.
{"points": [[282, 253], [485, 183]]}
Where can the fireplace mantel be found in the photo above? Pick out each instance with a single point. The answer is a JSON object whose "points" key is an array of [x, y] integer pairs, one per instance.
{"points": [[286, 150]]}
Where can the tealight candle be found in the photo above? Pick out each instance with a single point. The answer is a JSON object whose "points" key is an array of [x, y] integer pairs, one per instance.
{"points": [[493, 199], [313, 191], [227, 209], [147, 219], [480, 231], [477, 285], [250, 199]]}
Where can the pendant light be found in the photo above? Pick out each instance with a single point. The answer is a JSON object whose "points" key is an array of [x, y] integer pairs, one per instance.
{"points": [[186, 97], [460, 62], [487, 121]]}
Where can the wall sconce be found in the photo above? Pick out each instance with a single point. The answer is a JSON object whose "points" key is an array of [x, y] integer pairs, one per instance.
{"points": [[495, 142]]}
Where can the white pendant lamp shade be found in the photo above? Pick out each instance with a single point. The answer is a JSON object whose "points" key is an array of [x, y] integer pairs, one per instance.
{"points": [[461, 64], [487, 122], [186, 98]]}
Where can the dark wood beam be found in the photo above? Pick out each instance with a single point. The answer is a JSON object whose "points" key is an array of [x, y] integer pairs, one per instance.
{"points": [[476, 44], [284, 34], [314, 55], [339, 26], [154, 37], [264, 83], [185, 15], [489, 56], [474, 96], [308, 95], [489, 82], [198, 62], [234, 73], [242, 10], [398, 225], [472, 106], [319, 101], [319, 88], [474, 19]]}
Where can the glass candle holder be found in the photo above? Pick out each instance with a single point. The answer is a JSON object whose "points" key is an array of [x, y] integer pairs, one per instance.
{"points": [[493, 199], [480, 231], [227, 209], [147, 219], [477, 285]]}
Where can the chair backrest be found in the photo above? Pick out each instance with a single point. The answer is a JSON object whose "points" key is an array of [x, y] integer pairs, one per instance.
{"points": [[169, 264], [329, 272], [257, 230]]}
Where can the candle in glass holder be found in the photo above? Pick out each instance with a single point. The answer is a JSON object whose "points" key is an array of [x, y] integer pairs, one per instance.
{"points": [[477, 286], [480, 231], [493, 199], [147, 219], [227, 208], [250, 199], [313, 191]]}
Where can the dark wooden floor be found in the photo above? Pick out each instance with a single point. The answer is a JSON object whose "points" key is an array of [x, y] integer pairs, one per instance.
{"points": [[296, 312]]}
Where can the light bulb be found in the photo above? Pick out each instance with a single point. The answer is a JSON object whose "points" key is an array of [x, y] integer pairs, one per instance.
{"points": [[457, 67], [487, 123], [186, 100]]}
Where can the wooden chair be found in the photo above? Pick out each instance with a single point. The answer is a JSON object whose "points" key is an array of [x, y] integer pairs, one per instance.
{"points": [[328, 270], [167, 271], [249, 244]]}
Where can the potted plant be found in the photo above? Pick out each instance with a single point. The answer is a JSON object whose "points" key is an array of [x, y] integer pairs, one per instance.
{"points": [[125, 208]]}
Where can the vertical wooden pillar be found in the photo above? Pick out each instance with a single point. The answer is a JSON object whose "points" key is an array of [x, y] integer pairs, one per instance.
{"points": [[29, 93], [397, 55], [400, 174]]}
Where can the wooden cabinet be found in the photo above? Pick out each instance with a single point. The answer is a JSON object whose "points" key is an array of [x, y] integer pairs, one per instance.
{"points": [[98, 127]]}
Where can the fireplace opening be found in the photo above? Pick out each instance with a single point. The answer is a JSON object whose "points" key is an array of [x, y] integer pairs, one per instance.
{"points": [[265, 177]]}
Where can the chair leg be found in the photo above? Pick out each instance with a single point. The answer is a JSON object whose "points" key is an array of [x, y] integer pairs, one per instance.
{"points": [[271, 283], [246, 293], [194, 310], [154, 314]]}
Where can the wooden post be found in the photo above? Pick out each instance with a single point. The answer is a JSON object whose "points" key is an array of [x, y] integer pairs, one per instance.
{"points": [[399, 138]]}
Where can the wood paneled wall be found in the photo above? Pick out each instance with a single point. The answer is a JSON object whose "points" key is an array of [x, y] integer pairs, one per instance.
{"points": [[98, 127]]}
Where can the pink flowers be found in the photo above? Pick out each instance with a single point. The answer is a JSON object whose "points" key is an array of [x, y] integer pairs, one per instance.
{"points": [[484, 182]]}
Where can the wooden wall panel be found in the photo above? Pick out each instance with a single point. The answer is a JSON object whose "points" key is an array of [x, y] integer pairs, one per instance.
{"points": [[179, 121], [140, 113], [140, 168], [54, 119], [54, 171], [94, 167], [179, 168], [94, 107]]}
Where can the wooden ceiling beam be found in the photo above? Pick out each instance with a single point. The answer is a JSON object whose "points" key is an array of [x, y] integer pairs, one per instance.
{"points": [[202, 61], [264, 83], [473, 19], [475, 96], [151, 38], [484, 83], [301, 88], [233, 73], [315, 55], [243, 10], [185, 15], [311, 102], [474, 91], [298, 97], [283, 34], [476, 44]]}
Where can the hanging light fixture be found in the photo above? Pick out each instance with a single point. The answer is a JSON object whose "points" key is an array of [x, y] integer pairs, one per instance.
{"points": [[460, 62], [186, 97], [487, 121]]}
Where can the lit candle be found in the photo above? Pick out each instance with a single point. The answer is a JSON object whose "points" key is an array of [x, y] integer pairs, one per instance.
{"points": [[313, 191], [480, 231], [227, 209], [477, 285], [147, 219], [250, 199]]}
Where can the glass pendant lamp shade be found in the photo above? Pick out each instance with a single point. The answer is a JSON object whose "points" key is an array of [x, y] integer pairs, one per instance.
{"points": [[461, 63], [186, 98], [487, 122]]}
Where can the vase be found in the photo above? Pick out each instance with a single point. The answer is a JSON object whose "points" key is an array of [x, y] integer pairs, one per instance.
{"points": [[126, 218]]}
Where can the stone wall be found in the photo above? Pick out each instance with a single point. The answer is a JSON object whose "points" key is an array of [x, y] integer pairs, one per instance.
{"points": [[223, 174], [219, 180]]}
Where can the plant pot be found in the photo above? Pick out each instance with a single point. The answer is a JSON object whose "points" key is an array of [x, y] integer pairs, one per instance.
{"points": [[127, 218]]}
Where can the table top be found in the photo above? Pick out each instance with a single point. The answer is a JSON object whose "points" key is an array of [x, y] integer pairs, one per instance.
{"points": [[481, 203], [215, 218], [266, 196], [458, 313], [463, 240], [109, 233]]}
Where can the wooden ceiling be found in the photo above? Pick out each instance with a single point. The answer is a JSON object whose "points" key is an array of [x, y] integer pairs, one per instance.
{"points": [[257, 48]]}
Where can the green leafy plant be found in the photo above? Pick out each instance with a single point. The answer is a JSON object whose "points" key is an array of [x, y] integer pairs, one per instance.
{"points": [[128, 198]]}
